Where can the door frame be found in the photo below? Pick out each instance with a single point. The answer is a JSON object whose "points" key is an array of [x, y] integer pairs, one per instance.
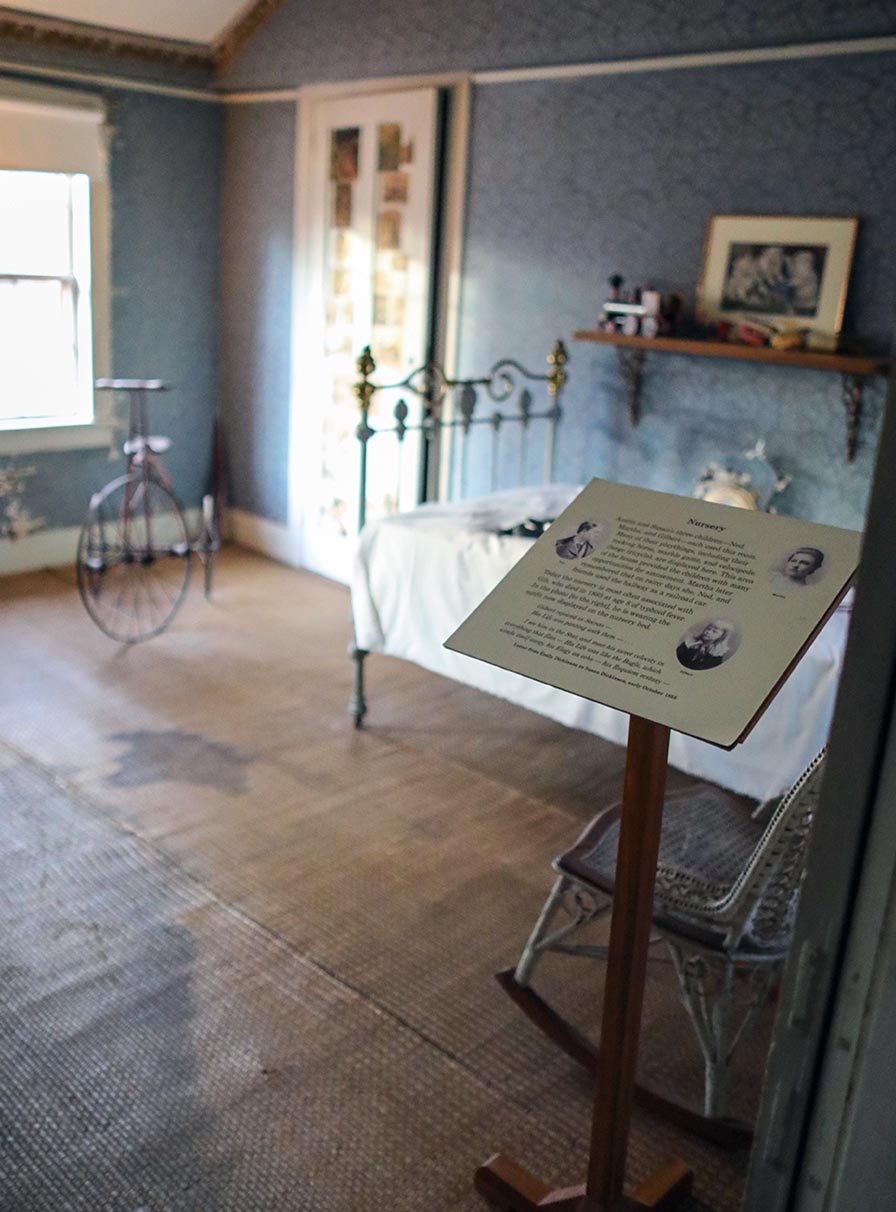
{"points": [[447, 270], [821, 1090]]}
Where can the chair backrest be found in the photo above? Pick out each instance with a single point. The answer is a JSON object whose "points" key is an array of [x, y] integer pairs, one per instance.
{"points": [[760, 906]]}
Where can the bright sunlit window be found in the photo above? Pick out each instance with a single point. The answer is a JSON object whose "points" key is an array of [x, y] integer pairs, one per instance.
{"points": [[54, 266], [46, 364]]}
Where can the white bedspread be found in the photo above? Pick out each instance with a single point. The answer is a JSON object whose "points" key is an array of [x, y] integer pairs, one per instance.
{"points": [[418, 575]]}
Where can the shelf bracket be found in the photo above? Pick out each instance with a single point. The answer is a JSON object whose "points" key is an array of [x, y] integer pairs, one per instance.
{"points": [[852, 387], [631, 366]]}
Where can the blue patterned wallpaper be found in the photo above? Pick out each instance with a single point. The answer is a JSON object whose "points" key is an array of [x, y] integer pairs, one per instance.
{"points": [[256, 280], [570, 182], [164, 175], [313, 40]]}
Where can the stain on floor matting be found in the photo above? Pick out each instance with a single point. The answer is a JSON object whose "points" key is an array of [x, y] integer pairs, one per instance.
{"points": [[247, 955]]}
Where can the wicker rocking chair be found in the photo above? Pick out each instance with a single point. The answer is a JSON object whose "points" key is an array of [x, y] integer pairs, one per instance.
{"points": [[726, 895]]}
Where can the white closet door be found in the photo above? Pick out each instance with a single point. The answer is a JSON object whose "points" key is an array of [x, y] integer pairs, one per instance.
{"points": [[366, 249]]}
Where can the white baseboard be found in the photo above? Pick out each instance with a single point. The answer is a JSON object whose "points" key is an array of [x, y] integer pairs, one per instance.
{"points": [[260, 534], [56, 548], [42, 549]]}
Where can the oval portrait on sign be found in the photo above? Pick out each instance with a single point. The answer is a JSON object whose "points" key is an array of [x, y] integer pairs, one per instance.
{"points": [[588, 537], [798, 568], [708, 644]]}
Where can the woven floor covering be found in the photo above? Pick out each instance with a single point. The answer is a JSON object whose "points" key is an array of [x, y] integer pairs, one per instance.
{"points": [[247, 953], [161, 1052]]}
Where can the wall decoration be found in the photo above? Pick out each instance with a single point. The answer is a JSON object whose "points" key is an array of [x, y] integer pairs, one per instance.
{"points": [[16, 520], [344, 149], [386, 352], [746, 480], [341, 247], [407, 152], [340, 311], [338, 342], [395, 187], [341, 281], [388, 229], [342, 206], [389, 310], [389, 143], [786, 271]]}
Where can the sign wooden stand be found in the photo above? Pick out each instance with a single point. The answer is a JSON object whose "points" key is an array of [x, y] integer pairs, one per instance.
{"points": [[503, 1183], [641, 604]]}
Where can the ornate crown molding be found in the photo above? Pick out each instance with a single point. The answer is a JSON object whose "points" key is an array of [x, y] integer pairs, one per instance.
{"points": [[53, 34], [238, 33]]}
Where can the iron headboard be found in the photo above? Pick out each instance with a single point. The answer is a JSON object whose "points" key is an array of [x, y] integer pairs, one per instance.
{"points": [[432, 386]]}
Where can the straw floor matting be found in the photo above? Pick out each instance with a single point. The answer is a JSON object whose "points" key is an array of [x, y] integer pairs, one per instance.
{"points": [[247, 953]]}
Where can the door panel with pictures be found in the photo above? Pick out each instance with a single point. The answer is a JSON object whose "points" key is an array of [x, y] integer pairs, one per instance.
{"points": [[375, 166]]}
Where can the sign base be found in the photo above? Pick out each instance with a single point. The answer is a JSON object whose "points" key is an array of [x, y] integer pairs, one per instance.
{"points": [[507, 1186]]}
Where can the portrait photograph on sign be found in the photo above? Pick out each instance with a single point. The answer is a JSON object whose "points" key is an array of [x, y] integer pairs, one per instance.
{"points": [[798, 568], [587, 538], [708, 644]]}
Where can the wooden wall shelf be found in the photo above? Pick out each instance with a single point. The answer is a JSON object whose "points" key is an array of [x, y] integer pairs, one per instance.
{"points": [[853, 369]]}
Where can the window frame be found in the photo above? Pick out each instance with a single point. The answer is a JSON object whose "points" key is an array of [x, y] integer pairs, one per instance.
{"points": [[47, 434]]}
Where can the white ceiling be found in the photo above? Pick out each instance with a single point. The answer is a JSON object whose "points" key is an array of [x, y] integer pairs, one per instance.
{"points": [[186, 20]]}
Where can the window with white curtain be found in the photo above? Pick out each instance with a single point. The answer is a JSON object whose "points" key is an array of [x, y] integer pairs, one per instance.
{"points": [[53, 259]]}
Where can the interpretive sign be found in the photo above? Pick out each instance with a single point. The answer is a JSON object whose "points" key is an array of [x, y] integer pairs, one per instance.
{"points": [[676, 610]]}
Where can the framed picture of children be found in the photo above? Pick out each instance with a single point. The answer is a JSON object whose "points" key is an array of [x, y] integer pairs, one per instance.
{"points": [[787, 271]]}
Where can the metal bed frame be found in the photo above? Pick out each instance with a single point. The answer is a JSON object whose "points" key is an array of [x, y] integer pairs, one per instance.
{"points": [[435, 389]]}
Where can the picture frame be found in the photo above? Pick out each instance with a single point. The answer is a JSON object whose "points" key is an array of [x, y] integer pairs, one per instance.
{"points": [[345, 150], [786, 271]]}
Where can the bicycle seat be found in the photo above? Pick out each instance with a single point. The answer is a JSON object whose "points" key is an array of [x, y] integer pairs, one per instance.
{"points": [[158, 445], [130, 385]]}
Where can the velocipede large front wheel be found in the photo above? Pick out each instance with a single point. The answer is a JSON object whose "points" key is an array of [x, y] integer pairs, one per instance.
{"points": [[133, 558]]}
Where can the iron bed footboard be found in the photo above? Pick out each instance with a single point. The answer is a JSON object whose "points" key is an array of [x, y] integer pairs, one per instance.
{"points": [[451, 405]]}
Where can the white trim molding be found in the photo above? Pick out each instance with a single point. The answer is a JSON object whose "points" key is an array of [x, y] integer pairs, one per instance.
{"points": [[57, 546], [256, 98], [54, 548], [881, 44], [262, 535], [39, 438], [62, 131], [105, 80], [457, 86], [671, 63]]}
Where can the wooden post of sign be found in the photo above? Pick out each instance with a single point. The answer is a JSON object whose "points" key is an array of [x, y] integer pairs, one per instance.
{"points": [[502, 1183]]}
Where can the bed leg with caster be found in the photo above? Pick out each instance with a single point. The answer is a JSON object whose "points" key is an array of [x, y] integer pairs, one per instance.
{"points": [[357, 704]]}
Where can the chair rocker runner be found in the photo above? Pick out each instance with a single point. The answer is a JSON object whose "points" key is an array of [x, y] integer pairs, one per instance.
{"points": [[727, 888]]}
